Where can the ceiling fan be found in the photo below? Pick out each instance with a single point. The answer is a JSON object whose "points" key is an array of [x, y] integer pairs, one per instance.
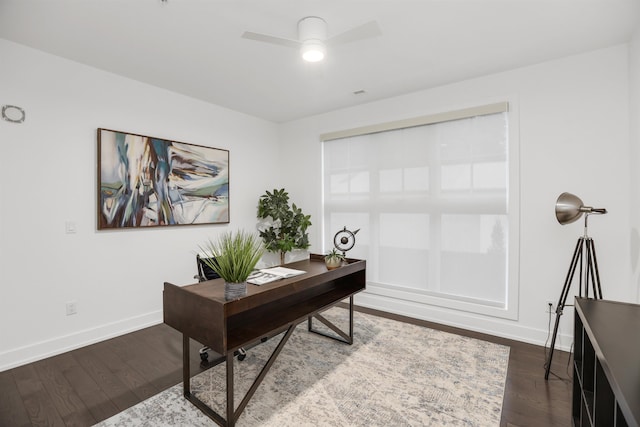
{"points": [[312, 37]]}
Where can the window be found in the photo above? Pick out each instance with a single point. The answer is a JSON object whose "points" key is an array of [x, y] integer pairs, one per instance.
{"points": [[432, 205]]}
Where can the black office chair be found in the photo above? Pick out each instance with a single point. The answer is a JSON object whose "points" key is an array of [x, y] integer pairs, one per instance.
{"points": [[205, 272]]}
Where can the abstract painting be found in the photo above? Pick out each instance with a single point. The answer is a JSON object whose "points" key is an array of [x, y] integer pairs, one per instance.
{"points": [[145, 181]]}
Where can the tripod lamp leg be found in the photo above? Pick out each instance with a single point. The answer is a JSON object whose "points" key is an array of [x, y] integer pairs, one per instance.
{"points": [[575, 260], [547, 367]]}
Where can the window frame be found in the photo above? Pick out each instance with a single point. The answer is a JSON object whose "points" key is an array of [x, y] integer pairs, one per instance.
{"points": [[510, 308]]}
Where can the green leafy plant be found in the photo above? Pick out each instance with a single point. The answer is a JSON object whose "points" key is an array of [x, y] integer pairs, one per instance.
{"points": [[282, 227], [233, 256], [333, 259], [334, 255]]}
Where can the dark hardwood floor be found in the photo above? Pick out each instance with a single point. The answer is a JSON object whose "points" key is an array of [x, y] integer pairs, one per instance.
{"points": [[88, 385]]}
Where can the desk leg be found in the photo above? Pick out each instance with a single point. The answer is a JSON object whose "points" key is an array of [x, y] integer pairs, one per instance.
{"points": [[186, 374], [232, 415], [351, 319], [231, 418], [186, 384], [342, 336]]}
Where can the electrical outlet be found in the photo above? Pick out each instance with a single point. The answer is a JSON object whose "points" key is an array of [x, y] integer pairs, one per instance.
{"points": [[70, 227], [550, 307], [72, 308]]}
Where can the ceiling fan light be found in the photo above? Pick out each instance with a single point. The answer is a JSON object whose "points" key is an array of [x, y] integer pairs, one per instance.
{"points": [[313, 51]]}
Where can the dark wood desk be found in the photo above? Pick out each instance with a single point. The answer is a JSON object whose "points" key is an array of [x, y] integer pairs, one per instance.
{"points": [[200, 311]]}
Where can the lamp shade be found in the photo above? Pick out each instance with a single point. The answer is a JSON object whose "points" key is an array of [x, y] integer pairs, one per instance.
{"points": [[569, 208]]}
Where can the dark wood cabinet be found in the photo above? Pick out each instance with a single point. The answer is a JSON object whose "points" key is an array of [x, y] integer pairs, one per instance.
{"points": [[606, 373]]}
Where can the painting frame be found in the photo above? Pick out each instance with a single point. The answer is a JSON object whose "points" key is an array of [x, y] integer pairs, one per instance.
{"points": [[147, 182]]}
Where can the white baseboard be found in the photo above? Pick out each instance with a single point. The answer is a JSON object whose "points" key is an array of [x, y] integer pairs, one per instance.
{"points": [[460, 319], [51, 347], [498, 327]]}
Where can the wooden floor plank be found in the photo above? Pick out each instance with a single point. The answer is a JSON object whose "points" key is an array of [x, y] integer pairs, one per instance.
{"points": [[63, 396], [12, 410], [37, 401], [126, 373], [110, 384], [96, 401], [158, 371]]}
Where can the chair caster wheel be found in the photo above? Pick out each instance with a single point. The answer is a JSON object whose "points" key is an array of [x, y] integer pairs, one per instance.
{"points": [[204, 356], [241, 354]]}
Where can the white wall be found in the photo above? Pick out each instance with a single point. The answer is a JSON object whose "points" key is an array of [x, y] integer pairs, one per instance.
{"points": [[48, 177], [634, 121], [573, 120]]}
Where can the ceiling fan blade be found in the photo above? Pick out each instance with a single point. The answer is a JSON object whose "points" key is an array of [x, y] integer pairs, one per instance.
{"points": [[364, 31], [271, 39]]}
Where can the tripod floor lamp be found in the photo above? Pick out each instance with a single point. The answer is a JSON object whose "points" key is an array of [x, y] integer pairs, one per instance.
{"points": [[569, 208]]}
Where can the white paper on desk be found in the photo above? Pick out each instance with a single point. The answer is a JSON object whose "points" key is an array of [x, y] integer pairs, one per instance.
{"points": [[268, 275]]}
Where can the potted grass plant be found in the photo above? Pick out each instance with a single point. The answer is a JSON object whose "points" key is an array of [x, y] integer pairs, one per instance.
{"points": [[233, 256]]}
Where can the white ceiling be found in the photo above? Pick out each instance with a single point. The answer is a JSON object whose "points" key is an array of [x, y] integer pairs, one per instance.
{"points": [[194, 47]]}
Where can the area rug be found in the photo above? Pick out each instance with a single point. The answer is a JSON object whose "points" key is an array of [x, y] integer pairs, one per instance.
{"points": [[395, 374]]}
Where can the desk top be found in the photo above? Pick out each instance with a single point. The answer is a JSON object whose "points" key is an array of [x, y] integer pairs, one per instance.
{"points": [[314, 267]]}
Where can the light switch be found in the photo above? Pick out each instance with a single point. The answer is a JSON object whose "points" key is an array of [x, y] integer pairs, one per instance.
{"points": [[70, 227]]}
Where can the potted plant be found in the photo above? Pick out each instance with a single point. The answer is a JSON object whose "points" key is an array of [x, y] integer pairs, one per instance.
{"points": [[233, 257], [333, 259], [282, 227]]}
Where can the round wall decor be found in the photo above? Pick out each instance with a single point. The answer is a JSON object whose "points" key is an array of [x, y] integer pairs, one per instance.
{"points": [[13, 114]]}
